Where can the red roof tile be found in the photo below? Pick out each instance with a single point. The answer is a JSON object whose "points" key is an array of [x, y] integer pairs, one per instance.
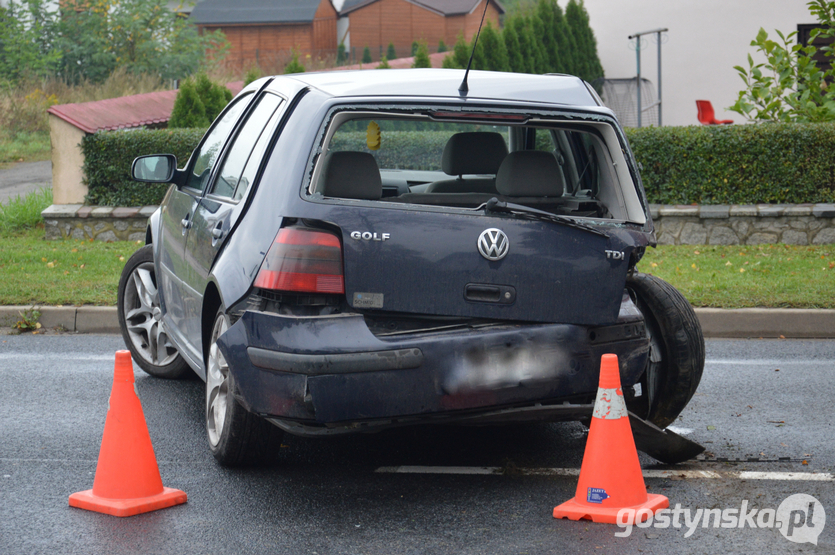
{"points": [[126, 112]]}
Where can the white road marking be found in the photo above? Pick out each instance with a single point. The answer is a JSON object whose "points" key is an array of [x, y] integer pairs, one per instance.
{"points": [[669, 474], [802, 476], [439, 470], [771, 362], [60, 356]]}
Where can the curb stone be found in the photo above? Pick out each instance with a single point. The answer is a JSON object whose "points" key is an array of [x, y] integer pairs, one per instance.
{"points": [[791, 323]]}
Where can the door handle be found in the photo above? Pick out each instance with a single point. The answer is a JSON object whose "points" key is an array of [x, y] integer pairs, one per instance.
{"points": [[217, 232], [186, 222]]}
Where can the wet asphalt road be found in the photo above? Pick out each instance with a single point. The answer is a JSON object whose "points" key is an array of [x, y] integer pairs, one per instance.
{"points": [[324, 496]]}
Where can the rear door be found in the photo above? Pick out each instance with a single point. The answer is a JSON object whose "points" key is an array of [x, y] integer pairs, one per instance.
{"points": [[177, 221], [217, 212]]}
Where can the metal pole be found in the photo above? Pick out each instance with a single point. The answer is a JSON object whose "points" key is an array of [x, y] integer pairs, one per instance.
{"points": [[638, 53], [637, 37], [659, 77]]}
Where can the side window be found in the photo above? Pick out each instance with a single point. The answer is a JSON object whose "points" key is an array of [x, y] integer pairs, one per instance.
{"points": [[251, 136], [210, 149]]}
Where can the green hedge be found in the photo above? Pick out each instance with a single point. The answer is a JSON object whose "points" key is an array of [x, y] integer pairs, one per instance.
{"points": [[401, 150], [108, 156], [737, 164], [734, 164]]}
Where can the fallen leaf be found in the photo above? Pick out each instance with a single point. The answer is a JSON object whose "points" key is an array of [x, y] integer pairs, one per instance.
{"points": [[711, 427], [742, 270], [805, 463], [728, 263], [74, 250], [121, 259], [43, 259], [776, 421], [50, 264], [696, 252], [776, 369]]}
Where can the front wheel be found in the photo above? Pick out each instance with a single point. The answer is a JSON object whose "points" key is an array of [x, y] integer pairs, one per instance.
{"points": [[140, 319], [677, 350], [236, 436]]}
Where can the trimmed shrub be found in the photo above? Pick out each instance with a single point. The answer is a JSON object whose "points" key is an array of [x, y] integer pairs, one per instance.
{"points": [[391, 53], [366, 55], [737, 164], [108, 156]]}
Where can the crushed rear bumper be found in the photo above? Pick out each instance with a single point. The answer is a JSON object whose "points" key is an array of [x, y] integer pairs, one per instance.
{"points": [[316, 375]]}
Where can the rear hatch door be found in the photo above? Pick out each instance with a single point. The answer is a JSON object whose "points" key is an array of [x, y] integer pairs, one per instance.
{"points": [[426, 262]]}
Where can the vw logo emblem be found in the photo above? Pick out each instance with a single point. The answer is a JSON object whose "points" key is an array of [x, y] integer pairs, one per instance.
{"points": [[493, 244]]}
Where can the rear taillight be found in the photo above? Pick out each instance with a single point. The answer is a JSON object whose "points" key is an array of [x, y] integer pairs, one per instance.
{"points": [[303, 260]]}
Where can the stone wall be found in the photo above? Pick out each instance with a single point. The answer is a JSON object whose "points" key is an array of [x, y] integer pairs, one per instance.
{"points": [[792, 224], [100, 223], [795, 224]]}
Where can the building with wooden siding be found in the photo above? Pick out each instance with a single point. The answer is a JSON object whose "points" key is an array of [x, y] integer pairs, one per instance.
{"points": [[267, 31], [376, 23]]}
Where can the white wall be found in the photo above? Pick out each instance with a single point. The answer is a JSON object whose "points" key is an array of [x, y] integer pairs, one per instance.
{"points": [[705, 40]]}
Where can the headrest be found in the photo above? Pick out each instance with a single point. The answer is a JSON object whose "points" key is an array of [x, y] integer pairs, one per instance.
{"points": [[530, 173], [351, 175], [473, 153]]}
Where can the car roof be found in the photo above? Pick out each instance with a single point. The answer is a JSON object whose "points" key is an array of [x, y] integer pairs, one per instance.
{"points": [[443, 83]]}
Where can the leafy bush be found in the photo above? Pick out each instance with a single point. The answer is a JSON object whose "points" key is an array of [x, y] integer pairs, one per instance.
{"points": [[738, 164], [108, 156]]}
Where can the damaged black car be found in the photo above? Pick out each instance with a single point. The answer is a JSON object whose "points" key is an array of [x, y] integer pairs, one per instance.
{"points": [[354, 251]]}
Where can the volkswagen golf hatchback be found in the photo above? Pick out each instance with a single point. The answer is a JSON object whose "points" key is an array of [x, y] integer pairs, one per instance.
{"points": [[351, 251]]}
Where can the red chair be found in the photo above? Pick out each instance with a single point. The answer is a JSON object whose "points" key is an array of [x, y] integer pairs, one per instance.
{"points": [[707, 116]]}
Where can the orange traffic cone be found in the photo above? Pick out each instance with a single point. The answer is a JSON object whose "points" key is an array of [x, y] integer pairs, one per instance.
{"points": [[127, 478], [610, 478]]}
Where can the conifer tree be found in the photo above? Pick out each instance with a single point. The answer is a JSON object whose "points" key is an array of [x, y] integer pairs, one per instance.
{"points": [[422, 56], [492, 49], [515, 54], [566, 47], [366, 55], [391, 53], [546, 30], [189, 110], [589, 67], [442, 46], [294, 66]]}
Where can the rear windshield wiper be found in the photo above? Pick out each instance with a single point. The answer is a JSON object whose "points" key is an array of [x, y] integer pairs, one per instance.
{"points": [[496, 206]]}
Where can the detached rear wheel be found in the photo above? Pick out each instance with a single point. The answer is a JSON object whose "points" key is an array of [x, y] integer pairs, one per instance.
{"points": [[236, 436], [677, 350], [140, 319]]}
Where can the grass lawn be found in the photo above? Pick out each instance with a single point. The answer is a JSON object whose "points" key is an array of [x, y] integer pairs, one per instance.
{"points": [[70, 272], [771, 276], [24, 146]]}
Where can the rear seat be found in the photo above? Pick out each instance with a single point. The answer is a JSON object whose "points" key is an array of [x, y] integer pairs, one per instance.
{"points": [[474, 153]]}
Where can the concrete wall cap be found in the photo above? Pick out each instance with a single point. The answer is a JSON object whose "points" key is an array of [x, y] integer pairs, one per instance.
{"points": [[61, 211]]}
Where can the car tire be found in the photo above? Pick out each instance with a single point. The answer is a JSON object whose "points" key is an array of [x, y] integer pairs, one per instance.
{"points": [[677, 350], [236, 436], [139, 314]]}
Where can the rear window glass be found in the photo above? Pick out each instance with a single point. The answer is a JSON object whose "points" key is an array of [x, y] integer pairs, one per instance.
{"points": [[559, 167]]}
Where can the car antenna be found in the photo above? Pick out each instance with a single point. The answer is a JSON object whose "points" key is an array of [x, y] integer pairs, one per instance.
{"points": [[464, 88]]}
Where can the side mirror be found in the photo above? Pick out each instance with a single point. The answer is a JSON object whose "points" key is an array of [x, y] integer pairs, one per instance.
{"points": [[156, 168]]}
